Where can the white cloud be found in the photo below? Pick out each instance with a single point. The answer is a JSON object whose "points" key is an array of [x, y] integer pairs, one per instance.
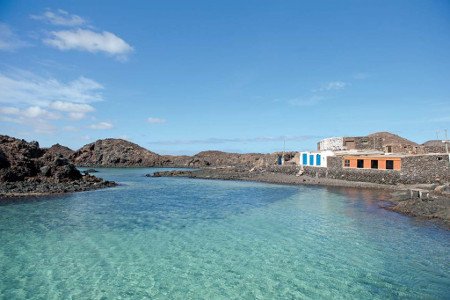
{"points": [[28, 88], [102, 126], [152, 120], [333, 85], [76, 111], [9, 41], [59, 17], [33, 116], [35, 101], [38, 112], [33, 112], [9, 111], [87, 40]]}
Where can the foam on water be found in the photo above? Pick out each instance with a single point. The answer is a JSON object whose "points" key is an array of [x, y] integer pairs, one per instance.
{"points": [[182, 238]]}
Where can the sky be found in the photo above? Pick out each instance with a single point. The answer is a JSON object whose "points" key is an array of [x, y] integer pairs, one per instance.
{"points": [[179, 77]]}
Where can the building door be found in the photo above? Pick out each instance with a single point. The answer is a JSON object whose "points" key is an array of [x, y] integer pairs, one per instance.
{"points": [[318, 159], [304, 159], [311, 160]]}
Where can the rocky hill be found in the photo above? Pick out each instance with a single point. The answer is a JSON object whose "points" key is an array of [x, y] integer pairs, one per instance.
{"points": [[114, 153], [392, 139], [58, 149], [25, 169]]}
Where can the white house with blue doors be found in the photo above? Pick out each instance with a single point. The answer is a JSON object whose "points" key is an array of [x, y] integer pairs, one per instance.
{"points": [[315, 158]]}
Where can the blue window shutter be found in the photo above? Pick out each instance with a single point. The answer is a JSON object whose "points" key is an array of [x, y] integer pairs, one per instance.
{"points": [[305, 159]]}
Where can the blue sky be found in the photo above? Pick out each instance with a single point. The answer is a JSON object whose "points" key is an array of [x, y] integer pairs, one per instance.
{"points": [[179, 77]]}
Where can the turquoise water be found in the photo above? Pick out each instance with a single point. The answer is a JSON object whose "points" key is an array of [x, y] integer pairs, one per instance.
{"points": [[188, 239]]}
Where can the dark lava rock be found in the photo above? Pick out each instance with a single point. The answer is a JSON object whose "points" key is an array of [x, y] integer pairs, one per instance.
{"points": [[27, 169]]}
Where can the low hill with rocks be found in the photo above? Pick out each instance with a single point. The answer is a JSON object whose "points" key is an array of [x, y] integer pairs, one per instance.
{"points": [[114, 153]]}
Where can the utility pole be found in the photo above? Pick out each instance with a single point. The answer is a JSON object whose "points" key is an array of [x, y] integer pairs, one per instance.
{"points": [[284, 149], [446, 141]]}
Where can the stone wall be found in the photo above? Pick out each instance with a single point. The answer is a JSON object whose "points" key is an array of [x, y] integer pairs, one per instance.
{"points": [[415, 169], [427, 168], [335, 170], [366, 143], [433, 149], [286, 169]]}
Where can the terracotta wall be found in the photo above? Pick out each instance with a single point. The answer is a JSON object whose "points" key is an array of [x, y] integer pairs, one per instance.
{"points": [[367, 162]]}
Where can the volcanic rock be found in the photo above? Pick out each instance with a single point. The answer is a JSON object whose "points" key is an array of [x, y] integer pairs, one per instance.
{"points": [[26, 169]]}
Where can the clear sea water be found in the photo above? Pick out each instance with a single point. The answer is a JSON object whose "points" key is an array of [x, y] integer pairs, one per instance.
{"points": [[175, 238]]}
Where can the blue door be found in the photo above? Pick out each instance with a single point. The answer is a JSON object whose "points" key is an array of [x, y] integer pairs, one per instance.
{"points": [[311, 160], [318, 159], [280, 160], [304, 159]]}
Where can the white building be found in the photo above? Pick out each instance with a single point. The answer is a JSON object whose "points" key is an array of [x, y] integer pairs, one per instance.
{"points": [[315, 158]]}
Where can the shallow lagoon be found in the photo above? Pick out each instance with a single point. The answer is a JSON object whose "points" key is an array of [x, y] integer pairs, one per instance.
{"points": [[182, 238]]}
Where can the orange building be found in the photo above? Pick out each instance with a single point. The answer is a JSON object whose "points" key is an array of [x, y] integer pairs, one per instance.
{"points": [[380, 162]]}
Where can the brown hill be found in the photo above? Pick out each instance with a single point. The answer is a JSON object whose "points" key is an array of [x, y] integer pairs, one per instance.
{"points": [[114, 153], [392, 139], [433, 143]]}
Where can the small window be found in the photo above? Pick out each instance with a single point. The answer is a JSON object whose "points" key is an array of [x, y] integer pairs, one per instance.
{"points": [[389, 164], [347, 163], [360, 163], [389, 149], [374, 164], [439, 158]]}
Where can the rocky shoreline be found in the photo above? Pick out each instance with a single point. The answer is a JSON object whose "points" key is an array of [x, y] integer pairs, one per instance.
{"points": [[435, 207], [44, 188], [28, 170]]}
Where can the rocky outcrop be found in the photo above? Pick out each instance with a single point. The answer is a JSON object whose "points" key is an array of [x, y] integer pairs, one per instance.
{"points": [[58, 149], [25, 168], [114, 153]]}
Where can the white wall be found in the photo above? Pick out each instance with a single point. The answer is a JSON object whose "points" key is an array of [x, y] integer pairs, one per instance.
{"points": [[333, 144], [323, 158]]}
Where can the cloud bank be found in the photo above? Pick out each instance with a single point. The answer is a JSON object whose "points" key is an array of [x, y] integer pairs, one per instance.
{"points": [[59, 17]]}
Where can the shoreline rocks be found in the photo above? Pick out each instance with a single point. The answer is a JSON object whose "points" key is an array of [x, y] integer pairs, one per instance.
{"points": [[26, 169]]}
